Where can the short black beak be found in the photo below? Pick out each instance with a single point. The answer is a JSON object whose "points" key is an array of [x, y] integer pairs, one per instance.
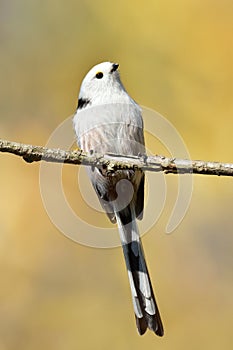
{"points": [[114, 67]]}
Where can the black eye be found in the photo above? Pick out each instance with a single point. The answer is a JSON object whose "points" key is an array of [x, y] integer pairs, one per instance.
{"points": [[99, 75]]}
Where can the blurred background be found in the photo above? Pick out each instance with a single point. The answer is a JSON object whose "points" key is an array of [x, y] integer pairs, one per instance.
{"points": [[175, 57]]}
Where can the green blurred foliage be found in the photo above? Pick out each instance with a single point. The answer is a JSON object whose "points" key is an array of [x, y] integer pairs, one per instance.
{"points": [[176, 57]]}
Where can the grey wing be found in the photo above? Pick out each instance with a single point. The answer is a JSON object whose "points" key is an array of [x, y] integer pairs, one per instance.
{"points": [[103, 187]]}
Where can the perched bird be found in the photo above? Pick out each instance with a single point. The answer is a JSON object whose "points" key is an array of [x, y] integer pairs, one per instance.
{"points": [[108, 120]]}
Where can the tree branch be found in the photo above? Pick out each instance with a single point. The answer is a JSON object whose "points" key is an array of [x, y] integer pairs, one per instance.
{"points": [[111, 162]]}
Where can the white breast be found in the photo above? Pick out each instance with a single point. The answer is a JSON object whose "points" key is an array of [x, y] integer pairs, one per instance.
{"points": [[116, 128]]}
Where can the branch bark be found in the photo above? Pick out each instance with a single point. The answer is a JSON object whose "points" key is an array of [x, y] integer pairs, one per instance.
{"points": [[111, 162]]}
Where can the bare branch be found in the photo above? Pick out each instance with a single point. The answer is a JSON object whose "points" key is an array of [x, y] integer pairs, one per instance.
{"points": [[111, 162]]}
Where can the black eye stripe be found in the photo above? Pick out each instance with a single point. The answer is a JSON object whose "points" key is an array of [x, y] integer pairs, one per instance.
{"points": [[83, 102], [99, 75]]}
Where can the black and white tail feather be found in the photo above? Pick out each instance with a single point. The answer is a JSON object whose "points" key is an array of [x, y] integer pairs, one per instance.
{"points": [[145, 307]]}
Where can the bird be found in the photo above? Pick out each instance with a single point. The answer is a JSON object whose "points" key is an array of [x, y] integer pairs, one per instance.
{"points": [[108, 120]]}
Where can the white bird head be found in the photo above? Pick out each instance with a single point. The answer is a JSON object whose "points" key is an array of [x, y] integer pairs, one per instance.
{"points": [[102, 85]]}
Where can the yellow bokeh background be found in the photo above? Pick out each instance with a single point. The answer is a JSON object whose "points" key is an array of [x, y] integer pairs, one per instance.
{"points": [[175, 57]]}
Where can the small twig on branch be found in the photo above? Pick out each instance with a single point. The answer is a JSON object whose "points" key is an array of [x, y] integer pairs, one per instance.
{"points": [[111, 162]]}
